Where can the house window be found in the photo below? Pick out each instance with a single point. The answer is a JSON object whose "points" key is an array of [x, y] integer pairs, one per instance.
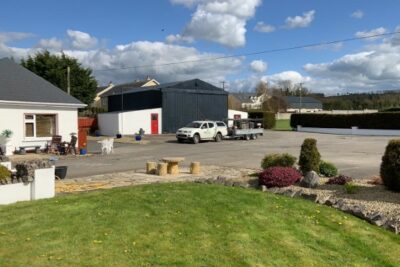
{"points": [[40, 125]]}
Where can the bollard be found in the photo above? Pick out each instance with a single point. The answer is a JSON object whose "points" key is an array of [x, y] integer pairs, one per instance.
{"points": [[195, 168], [151, 167], [162, 169]]}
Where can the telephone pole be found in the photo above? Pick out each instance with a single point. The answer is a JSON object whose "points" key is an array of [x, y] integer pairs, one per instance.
{"points": [[300, 99], [68, 80], [223, 85]]}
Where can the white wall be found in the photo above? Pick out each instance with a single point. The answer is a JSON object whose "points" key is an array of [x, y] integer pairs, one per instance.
{"points": [[350, 131], [128, 122], [232, 113], [12, 117], [108, 123]]}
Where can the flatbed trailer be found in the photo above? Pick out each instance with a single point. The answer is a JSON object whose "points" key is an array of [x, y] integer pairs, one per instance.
{"points": [[245, 129]]}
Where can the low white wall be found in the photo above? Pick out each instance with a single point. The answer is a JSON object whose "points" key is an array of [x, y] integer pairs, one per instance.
{"points": [[128, 122], [43, 186], [13, 117], [351, 131], [232, 113], [108, 123]]}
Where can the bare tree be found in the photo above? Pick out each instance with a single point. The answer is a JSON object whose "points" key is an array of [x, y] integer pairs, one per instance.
{"points": [[262, 88]]}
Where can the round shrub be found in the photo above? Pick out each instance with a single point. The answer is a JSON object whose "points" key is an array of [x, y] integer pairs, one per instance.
{"points": [[327, 169], [390, 166], [274, 160], [340, 180], [309, 156], [279, 177], [4, 174]]}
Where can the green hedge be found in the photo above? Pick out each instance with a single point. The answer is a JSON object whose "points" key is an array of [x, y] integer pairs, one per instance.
{"points": [[268, 118], [384, 120]]}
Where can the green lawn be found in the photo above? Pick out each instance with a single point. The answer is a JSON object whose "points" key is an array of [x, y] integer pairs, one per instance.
{"points": [[282, 125], [188, 225]]}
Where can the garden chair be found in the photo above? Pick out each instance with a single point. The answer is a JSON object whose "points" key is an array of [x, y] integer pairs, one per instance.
{"points": [[54, 145], [71, 146], [107, 146]]}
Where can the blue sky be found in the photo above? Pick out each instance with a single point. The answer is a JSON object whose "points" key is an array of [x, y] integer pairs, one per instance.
{"points": [[118, 34]]}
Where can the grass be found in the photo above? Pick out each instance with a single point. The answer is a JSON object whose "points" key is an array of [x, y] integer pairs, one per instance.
{"points": [[282, 125], [188, 225]]}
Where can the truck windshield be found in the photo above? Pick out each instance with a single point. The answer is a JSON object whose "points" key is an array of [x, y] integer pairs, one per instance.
{"points": [[193, 125]]}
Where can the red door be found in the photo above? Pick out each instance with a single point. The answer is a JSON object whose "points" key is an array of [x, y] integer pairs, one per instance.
{"points": [[154, 123]]}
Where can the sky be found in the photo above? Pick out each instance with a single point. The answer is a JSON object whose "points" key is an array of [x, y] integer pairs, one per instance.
{"points": [[123, 41]]}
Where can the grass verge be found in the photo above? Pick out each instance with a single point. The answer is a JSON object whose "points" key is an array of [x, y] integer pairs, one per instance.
{"points": [[188, 225]]}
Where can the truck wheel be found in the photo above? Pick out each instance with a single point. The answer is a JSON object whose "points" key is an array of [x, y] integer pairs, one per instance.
{"points": [[247, 137], [196, 139], [218, 137]]}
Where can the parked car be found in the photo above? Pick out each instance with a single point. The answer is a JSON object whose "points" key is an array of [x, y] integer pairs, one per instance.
{"points": [[197, 131]]}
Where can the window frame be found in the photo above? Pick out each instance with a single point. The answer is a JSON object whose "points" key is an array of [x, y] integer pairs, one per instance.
{"points": [[33, 121]]}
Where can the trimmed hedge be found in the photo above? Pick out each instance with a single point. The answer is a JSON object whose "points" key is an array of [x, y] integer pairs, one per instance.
{"points": [[390, 166], [268, 118], [309, 156], [381, 120], [281, 160], [279, 177]]}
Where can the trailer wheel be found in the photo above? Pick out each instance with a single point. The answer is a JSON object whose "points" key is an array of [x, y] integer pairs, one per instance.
{"points": [[247, 137], [218, 137], [196, 139], [253, 137]]}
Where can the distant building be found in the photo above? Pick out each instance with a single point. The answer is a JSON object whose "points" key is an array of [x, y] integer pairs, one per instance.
{"points": [[101, 100], [250, 100], [306, 104]]}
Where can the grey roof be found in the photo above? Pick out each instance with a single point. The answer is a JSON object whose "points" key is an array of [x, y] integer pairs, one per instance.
{"points": [[19, 84], [306, 102], [243, 97], [189, 85], [100, 89]]}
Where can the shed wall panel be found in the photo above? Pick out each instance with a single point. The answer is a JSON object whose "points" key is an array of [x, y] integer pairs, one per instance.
{"points": [[180, 108]]}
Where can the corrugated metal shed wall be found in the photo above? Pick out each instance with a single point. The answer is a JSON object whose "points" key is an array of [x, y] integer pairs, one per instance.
{"points": [[135, 101], [180, 108]]}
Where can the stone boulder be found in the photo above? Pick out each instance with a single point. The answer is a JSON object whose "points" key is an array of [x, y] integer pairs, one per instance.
{"points": [[310, 180]]}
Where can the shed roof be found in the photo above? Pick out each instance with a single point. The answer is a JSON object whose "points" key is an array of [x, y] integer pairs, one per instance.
{"points": [[306, 102], [18, 84], [188, 86]]}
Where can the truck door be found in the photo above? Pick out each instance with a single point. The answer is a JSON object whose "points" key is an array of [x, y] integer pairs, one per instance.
{"points": [[211, 130]]}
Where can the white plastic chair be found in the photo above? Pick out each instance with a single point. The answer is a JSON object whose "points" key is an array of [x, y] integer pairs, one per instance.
{"points": [[107, 146]]}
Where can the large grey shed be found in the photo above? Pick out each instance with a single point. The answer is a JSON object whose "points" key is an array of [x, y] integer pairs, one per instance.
{"points": [[181, 102]]}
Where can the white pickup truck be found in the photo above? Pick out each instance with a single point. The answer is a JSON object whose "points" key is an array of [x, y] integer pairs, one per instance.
{"points": [[197, 131]]}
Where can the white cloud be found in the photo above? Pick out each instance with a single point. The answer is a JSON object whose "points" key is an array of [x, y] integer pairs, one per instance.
{"points": [[258, 66], [358, 14], [221, 21], [366, 34], [376, 68], [293, 76], [51, 44], [177, 38], [81, 40], [300, 21], [6, 37], [141, 53], [262, 27]]}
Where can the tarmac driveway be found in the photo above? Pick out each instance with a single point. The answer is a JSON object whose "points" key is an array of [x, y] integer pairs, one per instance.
{"points": [[357, 156]]}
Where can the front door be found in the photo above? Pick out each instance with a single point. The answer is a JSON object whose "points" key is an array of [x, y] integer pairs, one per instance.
{"points": [[154, 123]]}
